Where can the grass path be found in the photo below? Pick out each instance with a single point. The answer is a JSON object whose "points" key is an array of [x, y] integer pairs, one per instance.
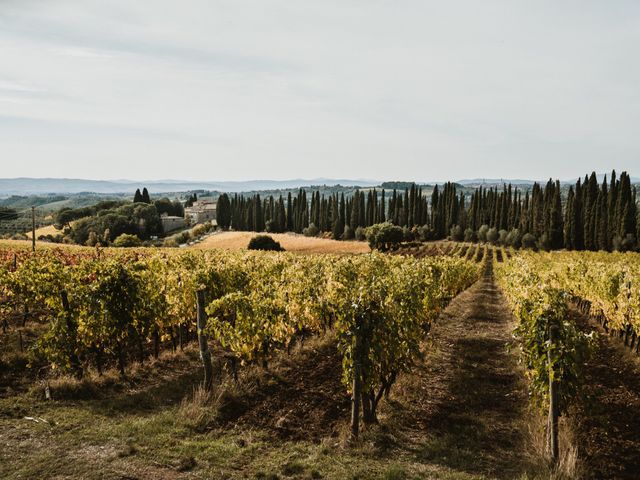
{"points": [[466, 402]]}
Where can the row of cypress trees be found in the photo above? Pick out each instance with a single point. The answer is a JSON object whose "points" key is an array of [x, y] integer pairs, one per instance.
{"points": [[591, 216]]}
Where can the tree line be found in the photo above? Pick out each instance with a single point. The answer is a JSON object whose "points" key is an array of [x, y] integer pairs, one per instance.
{"points": [[588, 216], [106, 221]]}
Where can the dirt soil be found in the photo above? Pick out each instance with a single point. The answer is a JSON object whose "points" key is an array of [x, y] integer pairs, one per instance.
{"points": [[304, 400], [609, 417], [464, 405]]}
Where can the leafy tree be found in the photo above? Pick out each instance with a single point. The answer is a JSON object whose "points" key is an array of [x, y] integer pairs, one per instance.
{"points": [[264, 242], [8, 214], [126, 240], [172, 208], [384, 236]]}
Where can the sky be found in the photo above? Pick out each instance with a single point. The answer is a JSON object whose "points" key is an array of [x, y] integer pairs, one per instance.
{"points": [[360, 89]]}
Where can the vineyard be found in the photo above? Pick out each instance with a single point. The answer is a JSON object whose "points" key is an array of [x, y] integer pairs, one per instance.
{"points": [[106, 307], [368, 337]]}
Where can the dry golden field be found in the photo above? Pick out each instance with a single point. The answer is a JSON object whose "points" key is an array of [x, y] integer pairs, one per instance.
{"points": [[290, 242]]}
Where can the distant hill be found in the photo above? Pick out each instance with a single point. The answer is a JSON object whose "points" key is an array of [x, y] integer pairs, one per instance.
{"points": [[40, 186], [499, 181], [70, 186], [495, 181]]}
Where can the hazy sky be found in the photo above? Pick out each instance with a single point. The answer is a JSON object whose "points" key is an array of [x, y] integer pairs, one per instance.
{"points": [[254, 89]]}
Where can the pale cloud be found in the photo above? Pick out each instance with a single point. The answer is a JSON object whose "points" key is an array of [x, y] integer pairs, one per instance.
{"points": [[243, 89]]}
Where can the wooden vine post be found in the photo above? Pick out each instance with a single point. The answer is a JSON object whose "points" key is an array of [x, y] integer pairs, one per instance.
{"points": [[554, 411], [72, 331], [357, 382], [205, 354]]}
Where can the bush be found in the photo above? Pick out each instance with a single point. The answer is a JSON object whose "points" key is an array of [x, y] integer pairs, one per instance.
{"points": [[361, 236], [310, 231], [470, 235], [544, 243], [482, 233], [492, 235], [170, 242], [514, 239], [384, 236], [502, 237], [201, 229], [348, 233], [93, 239], [628, 242], [270, 226], [182, 237], [456, 234], [529, 241], [425, 233], [58, 238], [264, 242], [126, 240]]}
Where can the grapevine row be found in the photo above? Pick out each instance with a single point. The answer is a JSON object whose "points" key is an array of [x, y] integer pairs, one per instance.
{"points": [[553, 348], [101, 305]]}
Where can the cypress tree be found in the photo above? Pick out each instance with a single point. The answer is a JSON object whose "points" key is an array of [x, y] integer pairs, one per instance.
{"points": [[223, 211], [568, 222], [342, 214], [556, 228], [355, 211], [289, 213], [577, 227]]}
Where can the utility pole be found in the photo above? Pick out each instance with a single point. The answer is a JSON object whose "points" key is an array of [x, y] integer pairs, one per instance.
{"points": [[33, 229]]}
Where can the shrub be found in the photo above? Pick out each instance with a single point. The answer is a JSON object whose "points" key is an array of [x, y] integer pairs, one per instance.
{"points": [[170, 242], [127, 240], [529, 241], [482, 233], [348, 233], [502, 237], [264, 242], [58, 238], [384, 236], [514, 239], [270, 226], [492, 235], [456, 234], [628, 242], [360, 234], [199, 230], [182, 237], [470, 235], [425, 233], [93, 240], [310, 231], [544, 243]]}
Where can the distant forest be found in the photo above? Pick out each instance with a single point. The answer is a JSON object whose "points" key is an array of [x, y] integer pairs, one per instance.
{"points": [[591, 216]]}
